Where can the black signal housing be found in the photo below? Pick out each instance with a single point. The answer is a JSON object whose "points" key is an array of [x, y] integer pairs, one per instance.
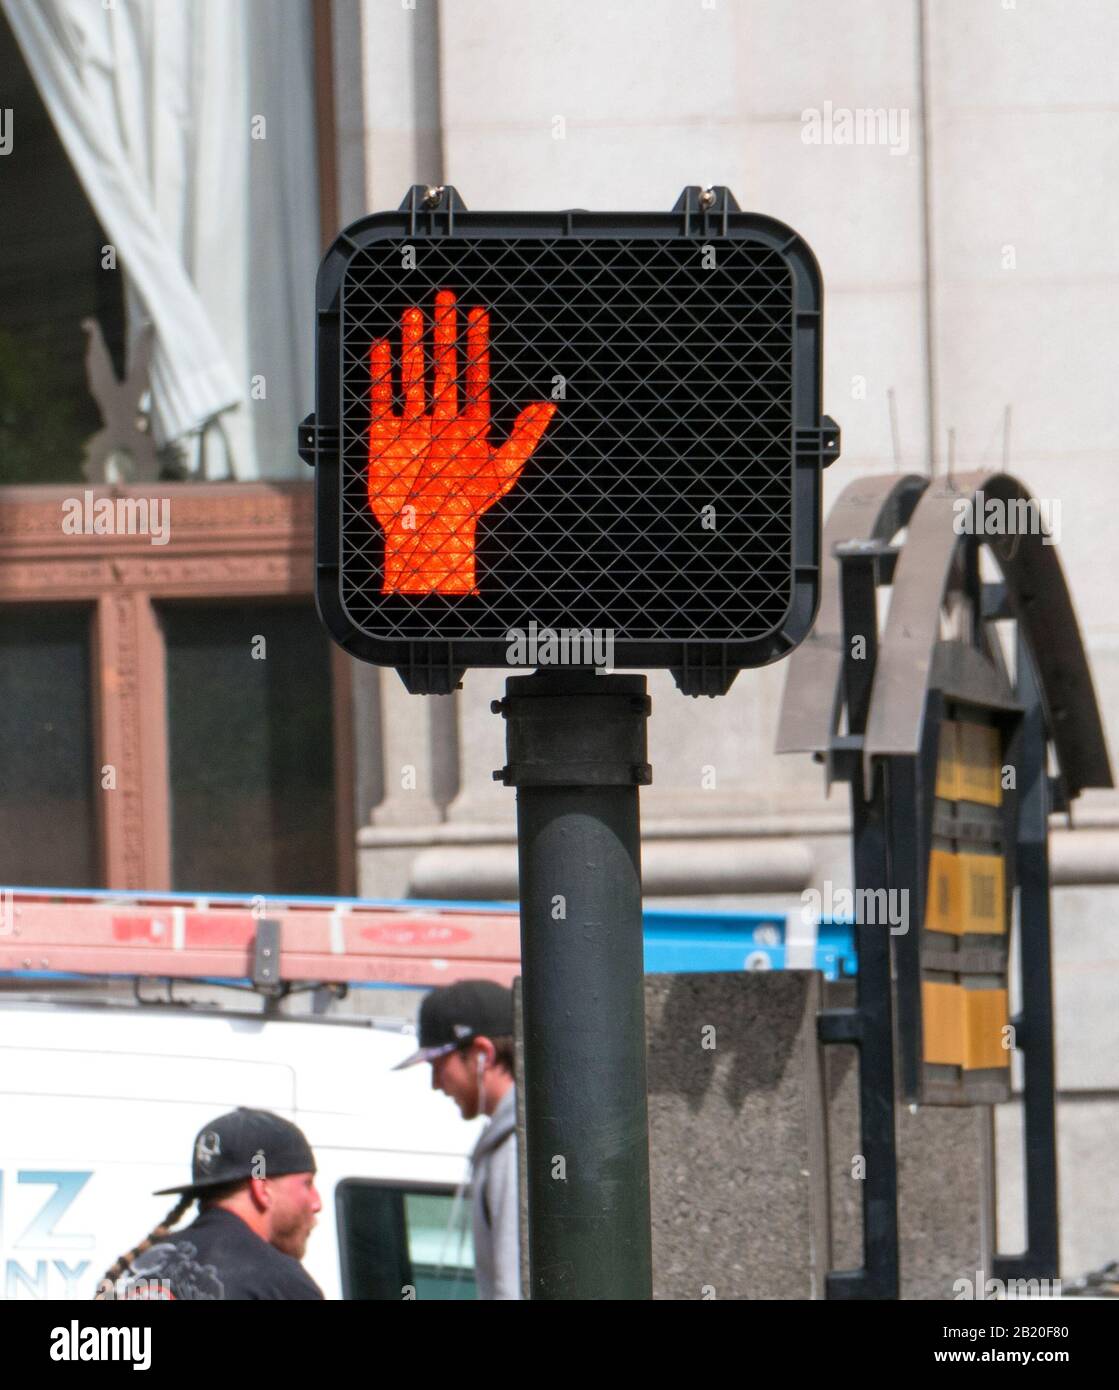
{"points": [[672, 503]]}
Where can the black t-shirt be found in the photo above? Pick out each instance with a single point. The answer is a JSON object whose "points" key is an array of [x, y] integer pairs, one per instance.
{"points": [[217, 1257]]}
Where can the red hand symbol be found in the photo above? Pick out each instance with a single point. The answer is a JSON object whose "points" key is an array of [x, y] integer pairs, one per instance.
{"points": [[432, 476]]}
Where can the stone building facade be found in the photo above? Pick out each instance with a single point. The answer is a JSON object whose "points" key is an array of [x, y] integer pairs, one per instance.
{"points": [[947, 163]]}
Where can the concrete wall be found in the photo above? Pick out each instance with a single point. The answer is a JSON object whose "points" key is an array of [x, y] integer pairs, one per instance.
{"points": [[754, 1150], [737, 1146]]}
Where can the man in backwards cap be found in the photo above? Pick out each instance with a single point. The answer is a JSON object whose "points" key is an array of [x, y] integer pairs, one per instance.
{"points": [[253, 1175], [466, 1033]]}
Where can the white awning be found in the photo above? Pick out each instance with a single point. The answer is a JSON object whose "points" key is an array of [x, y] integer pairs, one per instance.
{"points": [[214, 230]]}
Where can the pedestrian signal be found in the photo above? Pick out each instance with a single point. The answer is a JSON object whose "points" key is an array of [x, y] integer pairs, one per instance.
{"points": [[604, 426]]}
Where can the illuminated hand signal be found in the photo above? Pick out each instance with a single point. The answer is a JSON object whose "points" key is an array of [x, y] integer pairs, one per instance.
{"points": [[431, 476]]}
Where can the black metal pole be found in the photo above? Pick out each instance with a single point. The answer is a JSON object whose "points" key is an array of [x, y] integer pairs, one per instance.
{"points": [[911, 785], [576, 754], [869, 1025], [1033, 1025]]}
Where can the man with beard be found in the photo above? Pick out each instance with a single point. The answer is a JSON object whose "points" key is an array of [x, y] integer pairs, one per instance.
{"points": [[466, 1033], [253, 1176]]}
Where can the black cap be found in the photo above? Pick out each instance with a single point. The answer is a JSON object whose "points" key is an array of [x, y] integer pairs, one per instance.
{"points": [[245, 1144], [452, 1016]]}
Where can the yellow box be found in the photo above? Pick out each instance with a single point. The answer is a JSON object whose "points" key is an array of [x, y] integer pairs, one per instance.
{"points": [[947, 761], [979, 765], [943, 910], [982, 893]]}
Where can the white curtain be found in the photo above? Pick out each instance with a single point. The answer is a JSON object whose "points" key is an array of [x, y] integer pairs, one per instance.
{"points": [[157, 103]]}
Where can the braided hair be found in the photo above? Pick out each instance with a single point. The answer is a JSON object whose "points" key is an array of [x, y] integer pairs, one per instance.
{"points": [[106, 1288]]}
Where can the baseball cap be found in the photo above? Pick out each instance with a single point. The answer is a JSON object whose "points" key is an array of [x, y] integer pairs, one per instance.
{"points": [[451, 1016], [244, 1144]]}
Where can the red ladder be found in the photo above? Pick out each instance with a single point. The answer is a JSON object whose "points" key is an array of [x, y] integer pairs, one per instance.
{"points": [[172, 936]]}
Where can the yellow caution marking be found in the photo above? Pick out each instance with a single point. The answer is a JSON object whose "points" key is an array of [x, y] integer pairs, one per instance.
{"points": [[943, 908], [982, 880], [948, 762], [964, 1027], [979, 773]]}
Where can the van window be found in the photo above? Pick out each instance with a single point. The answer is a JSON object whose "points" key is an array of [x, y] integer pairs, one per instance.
{"points": [[393, 1238]]}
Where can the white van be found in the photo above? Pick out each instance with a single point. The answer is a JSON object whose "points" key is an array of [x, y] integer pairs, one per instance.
{"points": [[100, 1104]]}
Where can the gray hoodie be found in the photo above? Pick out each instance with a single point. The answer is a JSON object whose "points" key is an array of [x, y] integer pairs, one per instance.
{"points": [[497, 1265]]}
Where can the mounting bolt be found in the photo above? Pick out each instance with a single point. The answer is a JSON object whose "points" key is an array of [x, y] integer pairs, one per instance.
{"points": [[707, 198], [433, 195]]}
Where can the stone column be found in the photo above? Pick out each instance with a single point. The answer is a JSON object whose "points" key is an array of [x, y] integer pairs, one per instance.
{"points": [[418, 773], [737, 1138]]}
